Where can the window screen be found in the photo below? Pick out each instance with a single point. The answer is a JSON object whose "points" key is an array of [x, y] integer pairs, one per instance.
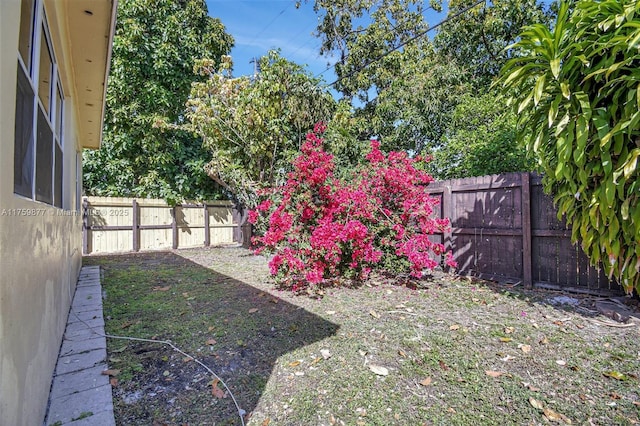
{"points": [[23, 145], [44, 160], [57, 177], [26, 25], [46, 73]]}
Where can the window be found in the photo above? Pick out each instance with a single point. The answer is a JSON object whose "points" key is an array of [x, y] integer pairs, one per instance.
{"points": [[39, 154]]}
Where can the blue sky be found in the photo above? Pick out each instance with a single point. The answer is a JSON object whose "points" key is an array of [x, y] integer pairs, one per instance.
{"points": [[260, 25]]}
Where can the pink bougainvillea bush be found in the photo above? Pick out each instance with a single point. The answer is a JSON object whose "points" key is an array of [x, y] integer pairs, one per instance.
{"points": [[320, 228]]}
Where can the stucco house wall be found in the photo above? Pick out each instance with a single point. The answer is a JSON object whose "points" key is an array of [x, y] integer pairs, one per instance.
{"points": [[41, 242]]}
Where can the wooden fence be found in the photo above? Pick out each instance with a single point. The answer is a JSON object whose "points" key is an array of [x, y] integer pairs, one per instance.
{"points": [[113, 225], [503, 227]]}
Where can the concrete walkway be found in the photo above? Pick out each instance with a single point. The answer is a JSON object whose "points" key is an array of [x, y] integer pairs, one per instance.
{"points": [[80, 393]]}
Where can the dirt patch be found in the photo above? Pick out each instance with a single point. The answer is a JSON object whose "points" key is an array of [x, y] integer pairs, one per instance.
{"points": [[452, 351]]}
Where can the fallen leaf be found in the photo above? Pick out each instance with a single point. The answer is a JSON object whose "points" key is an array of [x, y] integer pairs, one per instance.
{"points": [[374, 314], [426, 382], [402, 354], [294, 364], [211, 342], [556, 417], [493, 373], [253, 310], [128, 324], [266, 421], [443, 365], [211, 328], [616, 375], [536, 404], [316, 360], [113, 372], [530, 387], [325, 353], [525, 348], [273, 300], [166, 288], [216, 391], [187, 359], [614, 395], [509, 330], [561, 362], [454, 327], [379, 370], [113, 382], [331, 312], [544, 341], [506, 339]]}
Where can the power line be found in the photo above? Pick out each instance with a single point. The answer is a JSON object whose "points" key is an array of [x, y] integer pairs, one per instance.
{"points": [[423, 33]]}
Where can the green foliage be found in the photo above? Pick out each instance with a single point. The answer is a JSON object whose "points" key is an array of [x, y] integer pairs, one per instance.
{"points": [[253, 127], [481, 141], [154, 48], [406, 87], [576, 91], [478, 40]]}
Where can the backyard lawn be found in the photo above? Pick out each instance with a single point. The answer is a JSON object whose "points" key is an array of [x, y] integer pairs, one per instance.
{"points": [[451, 351]]}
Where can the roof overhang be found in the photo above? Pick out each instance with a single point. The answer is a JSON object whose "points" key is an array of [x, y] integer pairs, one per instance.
{"points": [[89, 28]]}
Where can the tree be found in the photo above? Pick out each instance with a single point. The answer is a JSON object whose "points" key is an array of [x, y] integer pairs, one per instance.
{"points": [[575, 90], [478, 39], [155, 45], [407, 86], [481, 140], [254, 127]]}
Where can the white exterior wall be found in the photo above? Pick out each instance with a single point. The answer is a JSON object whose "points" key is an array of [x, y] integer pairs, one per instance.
{"points": [[40, 255]]}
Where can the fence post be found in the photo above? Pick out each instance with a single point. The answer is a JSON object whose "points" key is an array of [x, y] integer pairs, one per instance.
{"points": [[85, 226], [207, 237], [526, 231], [134, 226], [447, 213], [174, 228]]}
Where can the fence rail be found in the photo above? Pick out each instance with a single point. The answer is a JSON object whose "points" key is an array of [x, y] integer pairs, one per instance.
{"points": [[504, 227], [125, 224]]}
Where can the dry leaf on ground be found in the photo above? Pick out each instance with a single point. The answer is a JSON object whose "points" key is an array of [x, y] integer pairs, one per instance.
{"points": [[379, 370], [112, 372], [556, 417], [216, 391], [536, 404], [426, 382], [493, 373]]}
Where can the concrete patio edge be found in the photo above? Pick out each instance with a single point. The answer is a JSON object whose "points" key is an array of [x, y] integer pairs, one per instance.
{"points": [[80, 394]]}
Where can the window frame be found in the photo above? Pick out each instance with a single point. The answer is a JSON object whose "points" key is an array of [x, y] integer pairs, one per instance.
{"points": [[52, 127]]}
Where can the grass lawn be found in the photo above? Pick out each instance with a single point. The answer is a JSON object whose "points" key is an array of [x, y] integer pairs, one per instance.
{"points": [[453, 352]]}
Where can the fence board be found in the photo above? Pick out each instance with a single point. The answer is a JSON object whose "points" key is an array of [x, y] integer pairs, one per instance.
{"points": [[505, 227], [125, 224]]}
